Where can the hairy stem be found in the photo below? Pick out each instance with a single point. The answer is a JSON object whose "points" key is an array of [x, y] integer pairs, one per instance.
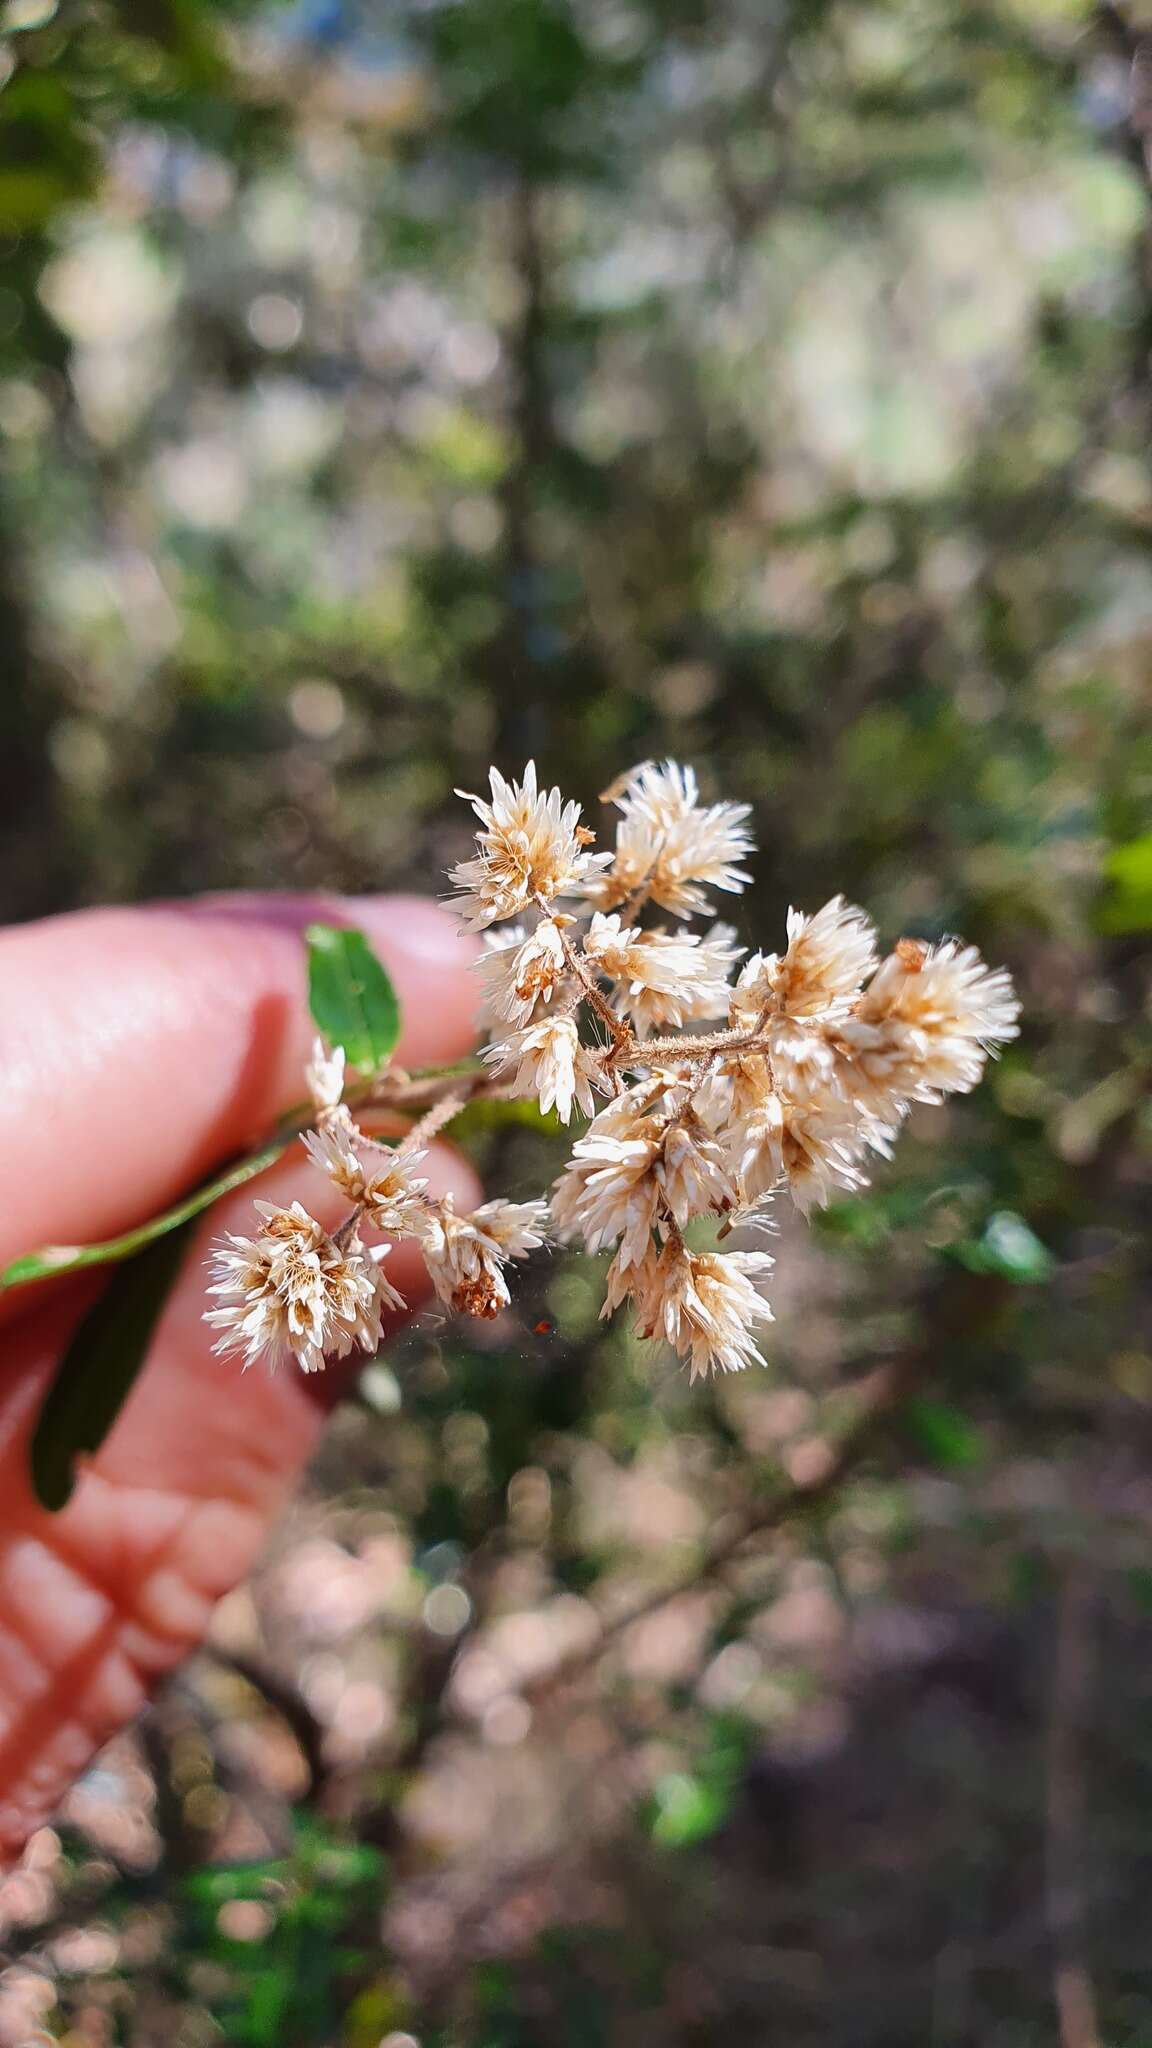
{"points": [[623, 1040], [434, 1119]]}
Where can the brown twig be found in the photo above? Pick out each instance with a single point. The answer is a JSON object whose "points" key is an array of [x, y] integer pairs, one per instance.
{"points": [[286, 1701], [875, 1401]]}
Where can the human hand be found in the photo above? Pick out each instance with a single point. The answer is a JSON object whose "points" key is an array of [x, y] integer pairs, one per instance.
{"points": [[140, 1049]]}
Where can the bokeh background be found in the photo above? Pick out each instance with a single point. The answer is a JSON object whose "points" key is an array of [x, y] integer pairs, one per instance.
{"points": [[392, 386]]}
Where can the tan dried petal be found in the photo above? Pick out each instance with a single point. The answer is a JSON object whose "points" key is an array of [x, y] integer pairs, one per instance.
{"points": [[529, 850]]}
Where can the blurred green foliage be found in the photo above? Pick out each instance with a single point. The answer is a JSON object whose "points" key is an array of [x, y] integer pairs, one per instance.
{"points": [[389, 386]]}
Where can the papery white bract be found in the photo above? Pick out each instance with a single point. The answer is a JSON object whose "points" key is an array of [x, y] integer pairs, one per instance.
{"points": [[706, 1304], [293, 1289], [466, 1255], [669, 846], [531, 849], [547, 1060]]}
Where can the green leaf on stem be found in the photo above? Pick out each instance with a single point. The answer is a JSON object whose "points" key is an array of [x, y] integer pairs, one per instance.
{"points": [[351, 997], [99, 1367], [70, 1258]]}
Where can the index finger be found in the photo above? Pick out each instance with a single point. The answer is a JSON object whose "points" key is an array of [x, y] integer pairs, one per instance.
{"points": [[140, 1048]]}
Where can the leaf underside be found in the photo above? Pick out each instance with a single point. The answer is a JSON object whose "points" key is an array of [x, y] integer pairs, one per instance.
{"points": [[99, 1367]]}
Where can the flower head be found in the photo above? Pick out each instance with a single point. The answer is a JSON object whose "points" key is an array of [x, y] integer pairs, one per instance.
{"points": [[648, 1156], [324, 1075], [812, 1148], [551, 1063], [923, 1027], [828, 956], [466, 1255], [294, 1290], [706, 1305], [520, 971], [692, 1171], [608, 1190], [663, 978], [671, 847], [945, 990], [379, 1179], [532, 848]]}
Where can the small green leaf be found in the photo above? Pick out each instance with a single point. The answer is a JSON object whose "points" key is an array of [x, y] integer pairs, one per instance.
{"points": [[687, 1809], [1008, 1248], [69, 1258], [944, 1434], [99, 1367], [1128, 905], [352, 1000]]}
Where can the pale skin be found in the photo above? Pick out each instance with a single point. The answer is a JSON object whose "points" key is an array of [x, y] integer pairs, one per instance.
{"points": [[139, 1049]]}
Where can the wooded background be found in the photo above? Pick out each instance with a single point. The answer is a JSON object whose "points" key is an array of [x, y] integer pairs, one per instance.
{"points": [[394, 387]]}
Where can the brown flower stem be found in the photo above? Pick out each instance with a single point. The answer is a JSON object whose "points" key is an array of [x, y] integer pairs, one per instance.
{"points": [[703, 1047], [410, 1094], [344, 1233], [622, 1038]]}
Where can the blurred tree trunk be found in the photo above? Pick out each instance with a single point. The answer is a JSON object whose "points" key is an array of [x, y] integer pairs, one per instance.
{"points": [[524, 684], [37, 865]]}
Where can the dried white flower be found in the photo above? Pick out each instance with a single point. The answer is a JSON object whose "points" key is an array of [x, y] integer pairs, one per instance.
{"points": [[819, 975], [812, 1148], [465, 1255], [669, 846], [294, 1290], [692, 1171], [945, 990], [648, 1156], [532, 848], [706, 1305], [551, 1063], [520, 970], [923, 1027], [379, 1179], [324, 1075], [516, 1228], [664, 978], [609, 1190], [803, 1057]]}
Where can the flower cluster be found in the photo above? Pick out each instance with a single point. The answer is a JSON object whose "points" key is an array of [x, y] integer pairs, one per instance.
{"points": [[710, 1087], [299, 1289], [814, 1057]]}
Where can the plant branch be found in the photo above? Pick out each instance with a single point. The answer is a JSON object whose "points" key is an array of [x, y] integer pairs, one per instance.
{"points": [[874, 1403]]}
